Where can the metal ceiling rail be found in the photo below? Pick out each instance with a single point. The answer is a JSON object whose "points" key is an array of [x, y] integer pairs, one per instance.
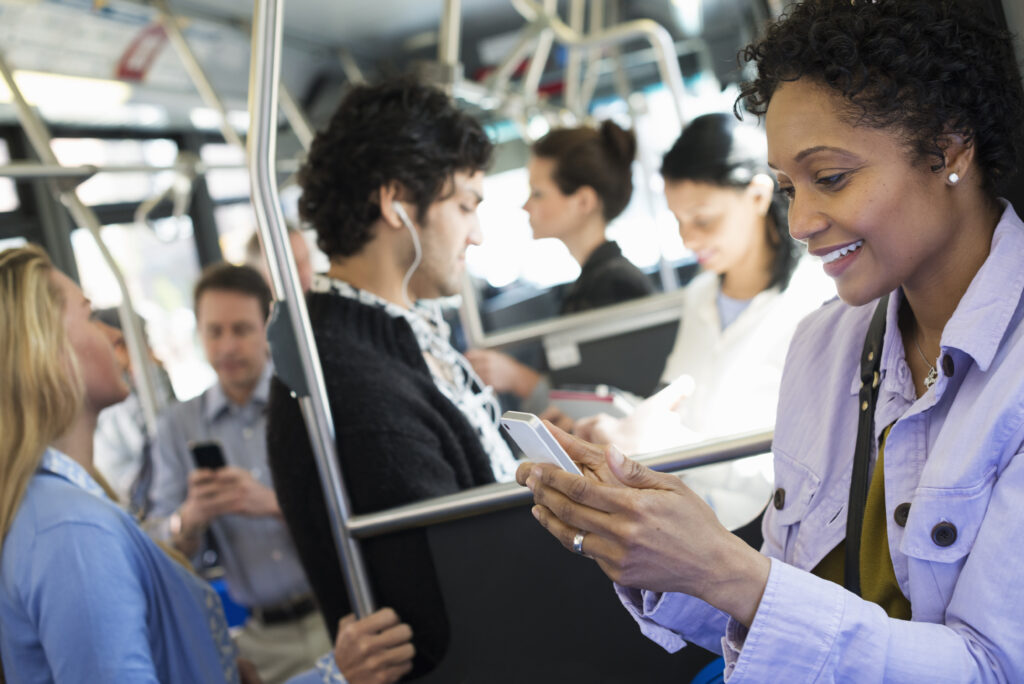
{"points": [[647, 29], [34, 170], [39, 137], [308, 385], [496, 497]]}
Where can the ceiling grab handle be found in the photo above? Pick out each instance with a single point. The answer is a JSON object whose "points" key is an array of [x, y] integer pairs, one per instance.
{"points": [[648, 29], [39, 137], [263, 90], [178, 192]]}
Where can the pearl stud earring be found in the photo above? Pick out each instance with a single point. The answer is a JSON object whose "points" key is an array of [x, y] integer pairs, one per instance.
{"points": [[954, 178]]}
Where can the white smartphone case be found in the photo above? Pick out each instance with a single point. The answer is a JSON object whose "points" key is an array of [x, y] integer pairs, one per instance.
{"points": [[537, 443]]}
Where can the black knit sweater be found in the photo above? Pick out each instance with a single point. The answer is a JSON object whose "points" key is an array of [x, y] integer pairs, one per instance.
{"points": [[399, 440]]}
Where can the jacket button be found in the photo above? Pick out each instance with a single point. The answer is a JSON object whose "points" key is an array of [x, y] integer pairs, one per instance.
{"points": [[901, 513], [944, 534], [947, 365], [779, 499]]}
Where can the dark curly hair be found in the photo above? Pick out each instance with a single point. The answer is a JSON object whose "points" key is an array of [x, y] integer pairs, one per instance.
{"points": [[922, 67], [396, 131], [717, 149], [600, 158]]}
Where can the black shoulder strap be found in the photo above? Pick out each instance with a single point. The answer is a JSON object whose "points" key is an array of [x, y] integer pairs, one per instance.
{"points": [[870, 361]]}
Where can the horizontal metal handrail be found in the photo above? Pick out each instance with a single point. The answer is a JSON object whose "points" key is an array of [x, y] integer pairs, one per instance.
{"points": [[496, 497], [30, 170], [596, 323]]}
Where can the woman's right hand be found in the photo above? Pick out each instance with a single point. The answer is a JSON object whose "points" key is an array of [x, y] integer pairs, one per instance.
{"points": [[645, 529], [374, 650]]}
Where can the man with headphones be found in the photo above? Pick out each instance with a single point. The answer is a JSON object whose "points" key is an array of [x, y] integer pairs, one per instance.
{"points": [[391, 186]]}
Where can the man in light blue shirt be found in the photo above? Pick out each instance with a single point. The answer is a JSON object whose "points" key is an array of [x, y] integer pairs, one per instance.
{"points": [[236, 503]]}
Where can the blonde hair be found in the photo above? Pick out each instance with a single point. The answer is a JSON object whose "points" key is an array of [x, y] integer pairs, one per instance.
{"points": [[40, 386]]}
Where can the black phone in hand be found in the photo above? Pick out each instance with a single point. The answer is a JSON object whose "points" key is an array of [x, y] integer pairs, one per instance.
{"points": [[207, 455]]}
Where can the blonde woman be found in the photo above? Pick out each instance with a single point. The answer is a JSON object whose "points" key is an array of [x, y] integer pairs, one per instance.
{"points": [[85, 596]]}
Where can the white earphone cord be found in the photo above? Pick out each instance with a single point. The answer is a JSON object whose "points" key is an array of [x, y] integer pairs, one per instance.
{"points": [[404, 217]]}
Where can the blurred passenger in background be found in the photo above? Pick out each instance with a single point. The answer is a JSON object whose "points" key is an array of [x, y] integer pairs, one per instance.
{"points": [[738, 316], [392, 186], [236, 503], [580, 180], [121, 443], [85, 595], [256, 256]]}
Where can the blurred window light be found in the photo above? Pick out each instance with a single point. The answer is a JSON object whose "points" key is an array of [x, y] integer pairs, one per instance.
{"points": [[58, 91], [225, 183], [204, 118], [111, 188], [8, 192]]}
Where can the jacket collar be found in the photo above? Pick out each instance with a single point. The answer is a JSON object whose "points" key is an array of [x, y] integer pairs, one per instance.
{"points": [[983, 314]]}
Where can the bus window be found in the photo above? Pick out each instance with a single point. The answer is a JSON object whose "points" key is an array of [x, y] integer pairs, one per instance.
{"points": [[8, 194], [112, 188], [225, 184], [11, 243], [235, 225], [160, 275]]}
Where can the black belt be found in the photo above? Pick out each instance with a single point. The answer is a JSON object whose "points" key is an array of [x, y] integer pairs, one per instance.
{"points": [[286, 612]]}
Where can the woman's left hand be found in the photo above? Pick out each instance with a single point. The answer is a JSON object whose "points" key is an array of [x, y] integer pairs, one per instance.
{"points": [[502, 372], [645, 529]]}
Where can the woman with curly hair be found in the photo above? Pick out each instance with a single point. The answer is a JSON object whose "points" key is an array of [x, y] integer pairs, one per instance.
{"points": [[892, 543]]}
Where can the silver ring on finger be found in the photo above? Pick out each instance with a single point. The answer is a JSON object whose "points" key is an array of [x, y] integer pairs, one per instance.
{"points": [[577, 542]]}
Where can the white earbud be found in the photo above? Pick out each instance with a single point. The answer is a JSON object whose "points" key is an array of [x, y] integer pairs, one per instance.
{"points": [[402, 215], [407, 222]]}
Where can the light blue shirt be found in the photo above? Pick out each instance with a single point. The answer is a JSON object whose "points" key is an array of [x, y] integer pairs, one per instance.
{"points": [[729, 309], [953, 454], [260, 563], [86, 596]]}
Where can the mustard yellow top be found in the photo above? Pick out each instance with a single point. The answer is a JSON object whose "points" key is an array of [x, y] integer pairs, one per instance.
{"points": [[877, 577]]}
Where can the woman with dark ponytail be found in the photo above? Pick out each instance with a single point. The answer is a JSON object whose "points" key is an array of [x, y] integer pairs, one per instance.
{"points": [[738, 316], [580, 180]]}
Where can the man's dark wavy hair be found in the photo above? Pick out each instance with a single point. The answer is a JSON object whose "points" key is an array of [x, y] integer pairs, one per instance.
{"points": [[922, 67], [396, 131]]}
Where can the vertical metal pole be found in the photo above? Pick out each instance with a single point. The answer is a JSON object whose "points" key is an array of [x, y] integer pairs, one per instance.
{"points": [[531, 83], [195, 71], [39, 136], [264, 80], [450, 34], [666, 274], [573, 68], [597, 23]]}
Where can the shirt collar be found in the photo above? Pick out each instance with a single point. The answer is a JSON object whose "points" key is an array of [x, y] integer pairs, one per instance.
{"points": [[425, 314], [64, 467], [216, 401], [983, 315]]}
